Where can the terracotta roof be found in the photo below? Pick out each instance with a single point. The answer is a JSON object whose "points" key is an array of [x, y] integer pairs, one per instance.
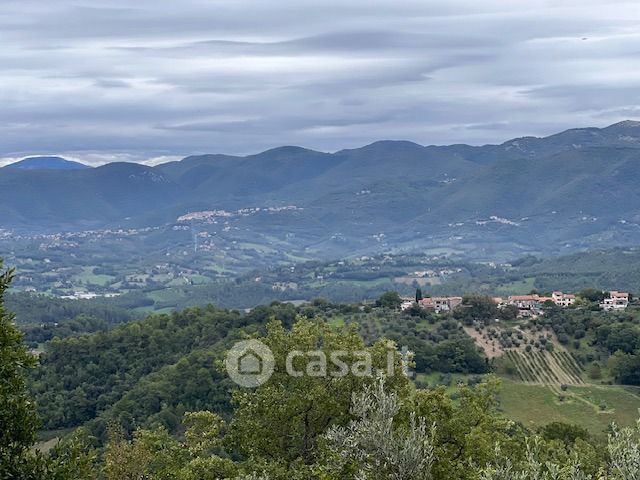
{"points": [[618, 294]]}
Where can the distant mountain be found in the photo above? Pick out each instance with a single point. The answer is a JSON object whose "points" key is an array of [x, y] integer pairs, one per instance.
{"points": [[576, 189], [95, 197], [47, 163]]}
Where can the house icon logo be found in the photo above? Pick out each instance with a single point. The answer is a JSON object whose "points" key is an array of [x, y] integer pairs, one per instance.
{"points": [[250, 363]]}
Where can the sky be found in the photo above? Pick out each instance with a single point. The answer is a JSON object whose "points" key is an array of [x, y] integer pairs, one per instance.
{"points": [[155, 80]]}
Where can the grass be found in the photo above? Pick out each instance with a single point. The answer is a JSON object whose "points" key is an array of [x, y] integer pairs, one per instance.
{"points": [[257, 247], [336, 322], [536, 405], [520, 287], [433, 379], [89, 278], [47, 439]]}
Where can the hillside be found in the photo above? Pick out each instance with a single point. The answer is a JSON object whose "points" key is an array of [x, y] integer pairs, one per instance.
{"points": [[148, 372], [576, 189]]}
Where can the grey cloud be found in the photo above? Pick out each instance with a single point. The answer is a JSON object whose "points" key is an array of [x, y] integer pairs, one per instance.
{"points": [[111, 83], [149, 79]]}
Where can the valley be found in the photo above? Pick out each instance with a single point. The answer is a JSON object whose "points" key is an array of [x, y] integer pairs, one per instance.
{"points": [[542, 196]]}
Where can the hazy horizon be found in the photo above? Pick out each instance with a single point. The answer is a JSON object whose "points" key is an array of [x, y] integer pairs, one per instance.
{"points": [[104, 81], [96, 159]]}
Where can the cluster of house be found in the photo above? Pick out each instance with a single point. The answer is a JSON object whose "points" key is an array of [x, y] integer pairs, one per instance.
{"points": [[532, 304], [438, 304], [528, 305]]}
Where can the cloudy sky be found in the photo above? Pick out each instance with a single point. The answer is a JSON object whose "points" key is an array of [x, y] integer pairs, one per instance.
{"points": [[149, 80]]}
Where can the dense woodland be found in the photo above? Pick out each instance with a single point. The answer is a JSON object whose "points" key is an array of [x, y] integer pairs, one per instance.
{"points": [[150, 399]]}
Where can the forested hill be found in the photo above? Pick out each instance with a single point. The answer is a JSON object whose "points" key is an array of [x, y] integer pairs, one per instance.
{"points": [[570, 190], [149, 372], [145, 370]]}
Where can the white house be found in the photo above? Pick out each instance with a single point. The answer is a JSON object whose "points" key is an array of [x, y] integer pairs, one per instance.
{"points": [[563, 299], [616, 301]]}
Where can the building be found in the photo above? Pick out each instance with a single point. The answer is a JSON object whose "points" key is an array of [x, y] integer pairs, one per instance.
{"points": [[441, 304], [407, 304], [563, 299], [616, 301], [525, 302]]}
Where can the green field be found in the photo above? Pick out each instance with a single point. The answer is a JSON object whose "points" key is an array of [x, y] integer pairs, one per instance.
{"points": [[520, 287], [87, 277], [536, 405]]}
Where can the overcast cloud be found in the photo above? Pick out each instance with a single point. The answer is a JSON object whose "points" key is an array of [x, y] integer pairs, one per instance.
{"points": [[151, 80]]}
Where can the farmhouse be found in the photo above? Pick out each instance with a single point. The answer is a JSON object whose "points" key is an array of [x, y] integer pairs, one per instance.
{"points": [[563, 299], [441, 304], [406, 304], [525, 302], [616, 301], [535, 302]]}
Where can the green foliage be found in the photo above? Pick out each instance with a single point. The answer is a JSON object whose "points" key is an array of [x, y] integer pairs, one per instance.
{"points": [[156, 454], [477, 308], [624, 452], [18, 419], [619, 336], [376, 446], [466, 429], [625, 368], [566, 433], [594, 371], [389, 300], [284, 417], [80, 377], [591, 295]]}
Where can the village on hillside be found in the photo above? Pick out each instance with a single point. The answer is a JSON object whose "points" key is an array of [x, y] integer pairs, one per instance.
{"points": [[521, 333], [531, 305]]}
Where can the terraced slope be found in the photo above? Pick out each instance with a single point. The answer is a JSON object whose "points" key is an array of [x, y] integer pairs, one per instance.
{"points": [[552, 369]]}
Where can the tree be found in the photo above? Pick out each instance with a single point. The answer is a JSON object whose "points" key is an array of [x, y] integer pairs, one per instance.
{"points": [[594, 371], [624, 451], [509, 313], [477, 308], [18, 418], [565, 432], [592, 295], [418, 294], [17, 411], [625, 368], [283, 418], [534, 467], [389, 300], [156, 454], [467, 428], [375, 446]]}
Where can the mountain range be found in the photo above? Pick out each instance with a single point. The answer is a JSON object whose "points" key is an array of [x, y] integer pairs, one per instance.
{"points": [[576, 189]]}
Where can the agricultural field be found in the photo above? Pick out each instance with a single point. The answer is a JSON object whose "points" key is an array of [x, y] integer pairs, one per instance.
{"points": [[594, 407], [552, 368], [543, 381]]}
